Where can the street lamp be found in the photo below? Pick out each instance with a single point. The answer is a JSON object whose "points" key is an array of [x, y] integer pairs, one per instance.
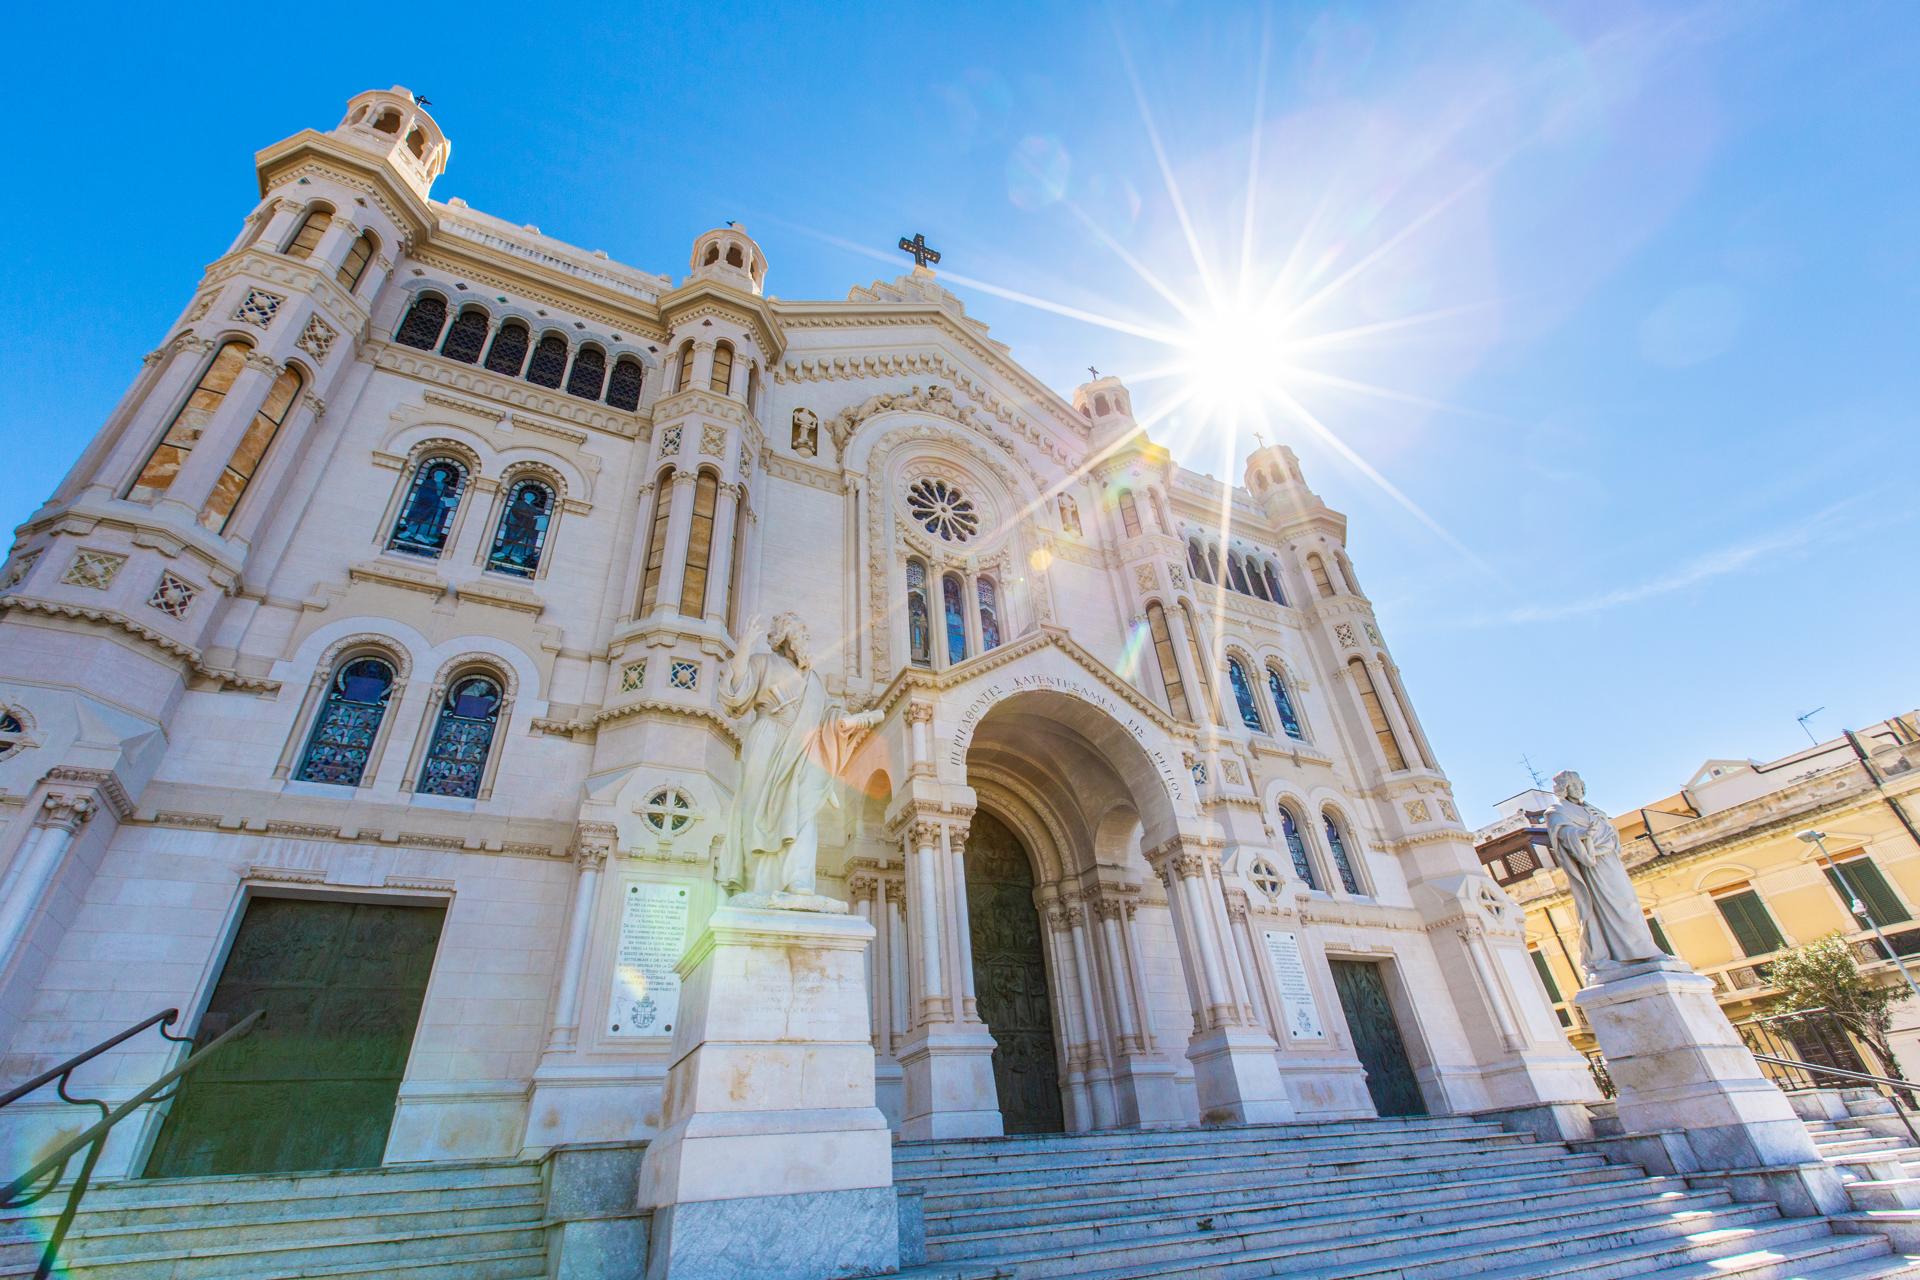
{"points": [[1857, 905]]}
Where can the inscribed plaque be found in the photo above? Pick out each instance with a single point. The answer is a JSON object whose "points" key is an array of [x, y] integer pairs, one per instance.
{"points": [[653, 936], [1297, 1006]]}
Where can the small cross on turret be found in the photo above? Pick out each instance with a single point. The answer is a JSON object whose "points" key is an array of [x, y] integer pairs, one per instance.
{"points": [[922, 253]]}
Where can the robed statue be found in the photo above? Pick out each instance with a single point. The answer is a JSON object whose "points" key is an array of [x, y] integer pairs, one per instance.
{"points": [[793, 746], [1613, 930]]}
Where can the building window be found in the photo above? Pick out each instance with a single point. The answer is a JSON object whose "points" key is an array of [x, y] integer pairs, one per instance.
{"points": [[509, 350], [1213, 565], [1376, 715], [312, 227], [1273, 583], [549, 363], [1169, 666], [349, 721], [943, 510], [1866, 893], [164, 463], [1203, 695], [1317, 570], [919, 616], [1243, 695], [13, 734], [466, 336], [693, 583], [1255, 581], [1297, 848], [426, 516], [989, 598], [424, 320], [1337, 846], [684, 375], [1195, 565], [354, 265], [462, 736], [668, 810], [589, 374], [247, 455], [656, 541], [523, 530], [623, 389], [952, 597], [1129, 514], [721, 377], [1283, 703], [1753, 929], [1237, 576]]}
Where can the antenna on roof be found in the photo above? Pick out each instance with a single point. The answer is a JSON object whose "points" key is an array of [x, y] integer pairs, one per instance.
{"points": [[1803, 724], [1538, 781]]}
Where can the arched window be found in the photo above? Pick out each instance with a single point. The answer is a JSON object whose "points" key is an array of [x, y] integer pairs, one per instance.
{"points": [[1243, 696], [693, 586], [1236, 575], [656, 541], [1317, 570], [1202, 696], [388, 121], [721, 377], [1297, 847], [247, 455], [462, 736], [349, 721], [683, 376], [426, 516], [1345, 567], [919, 616], [1337, 846], [1169, 665], [1273, 583], [164, 463], [354, 265], [623, 389], [466, 336], [1196, 565], [424, 319], [589, 373], [989, 614], [1159, 509], [952, 596], [1406, 715], [1254, 579], [522, 531], [1283, 703], [1376, 714], [549, 363], [734, 256], [713, 255], [417, 143], [509, 349], [1100, 404], [1129, 514], [1213, 564], [312, 227]]}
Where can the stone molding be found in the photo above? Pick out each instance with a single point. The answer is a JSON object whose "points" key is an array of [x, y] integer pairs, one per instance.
{"points": [[184, 653], [592, 842]]}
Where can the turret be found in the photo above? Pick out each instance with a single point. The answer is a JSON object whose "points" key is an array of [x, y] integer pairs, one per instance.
{"points": [[730, 256], [394, 125]]}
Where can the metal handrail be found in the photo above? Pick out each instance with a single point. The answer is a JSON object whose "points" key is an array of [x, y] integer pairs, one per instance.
{"points": [[163, 1019], [1897, 1085], [39, 1181]]}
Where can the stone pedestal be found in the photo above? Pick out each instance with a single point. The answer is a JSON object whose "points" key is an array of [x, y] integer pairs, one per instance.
{"points": [[773, 1159], [1236, 1077], [949, 1084]]}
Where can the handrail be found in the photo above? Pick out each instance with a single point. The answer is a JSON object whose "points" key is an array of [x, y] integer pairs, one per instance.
{"points": [[165, 1018], [27, 1189], [1898, 1086]]}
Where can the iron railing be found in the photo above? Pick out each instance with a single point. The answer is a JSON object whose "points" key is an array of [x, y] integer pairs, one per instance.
{"points": [[38, 1182], [1889, 1088]]}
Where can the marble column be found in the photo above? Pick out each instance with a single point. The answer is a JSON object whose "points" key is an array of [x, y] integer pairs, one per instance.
{"points": [[673, 563], [220, 435], [592, 842], [726, 512], [35, 867]]}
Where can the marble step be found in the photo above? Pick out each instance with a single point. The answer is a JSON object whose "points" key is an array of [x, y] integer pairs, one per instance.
{"points": [[991, 1154], [1212, 1135], [100, 1211], [371, 1254], [503, 1264]]}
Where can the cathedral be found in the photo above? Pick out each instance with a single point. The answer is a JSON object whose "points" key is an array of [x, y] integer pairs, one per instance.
{"points": [[369, 669]]}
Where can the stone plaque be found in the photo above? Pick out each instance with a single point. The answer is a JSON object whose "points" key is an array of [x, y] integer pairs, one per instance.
{"points": [[653, 936], [1301, 1014]]}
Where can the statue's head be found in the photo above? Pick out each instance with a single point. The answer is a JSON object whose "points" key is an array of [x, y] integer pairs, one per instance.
{"points": [[788, 634], [1568, 786]]}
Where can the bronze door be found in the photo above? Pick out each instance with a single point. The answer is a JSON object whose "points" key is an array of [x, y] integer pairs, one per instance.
{"points": [[314, 1086], [1010, 978], [1376, 1038]]}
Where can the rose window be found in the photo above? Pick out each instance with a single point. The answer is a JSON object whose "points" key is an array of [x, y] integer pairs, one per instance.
{"points": [[943, 510]]}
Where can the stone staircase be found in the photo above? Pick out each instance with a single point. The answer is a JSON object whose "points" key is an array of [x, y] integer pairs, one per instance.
{"points": [[1417, 1199], [480, 1220]]}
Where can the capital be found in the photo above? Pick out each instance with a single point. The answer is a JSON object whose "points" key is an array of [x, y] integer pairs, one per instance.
{"points": [[919, 713], [592, 842], [64, 811]]}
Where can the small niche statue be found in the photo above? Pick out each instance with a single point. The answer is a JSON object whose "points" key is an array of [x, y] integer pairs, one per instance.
{"points": [[792, 749], [1613, 931], [806, 433]]}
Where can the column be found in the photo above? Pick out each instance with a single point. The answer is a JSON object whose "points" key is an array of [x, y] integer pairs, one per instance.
{"points": [[332, 248], [897, 1020], [922, 881], [1061, 989], [1183, 650], [648, 494], [1109, 912], [1100, 1083], [143, 419], [863, 888], [962, 928], [1143, 1005], [221, 436], [591, 844], [35, 867], [726, 511], [673, 563], [279, 225], [286, 450]]}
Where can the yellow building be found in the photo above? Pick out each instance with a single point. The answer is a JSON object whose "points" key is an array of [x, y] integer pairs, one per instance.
{"points": [[1728, 883]]}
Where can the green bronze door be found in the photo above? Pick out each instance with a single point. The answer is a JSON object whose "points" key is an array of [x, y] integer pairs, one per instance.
{"points": [[1010, 978], [1376, 1038], [314, 1085]]}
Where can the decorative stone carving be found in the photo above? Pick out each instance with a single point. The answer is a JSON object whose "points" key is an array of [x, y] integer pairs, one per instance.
{"points": [[173, 595], [712, 441], [317, 338], [1613, 931], [93, 569], [258, 308], [806, 433], [592, 842], [1417, 811], [1343, 632]]}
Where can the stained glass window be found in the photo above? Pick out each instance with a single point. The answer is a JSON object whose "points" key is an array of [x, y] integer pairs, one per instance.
{"points": [[951, 596], [349, 720], [1169, 664], [623, 389], [589, 374], [1297, 847], [684, 374], [354, 265], [462, 735], [523, 530], [424, 319], [1337, 846], [1243, 695], [693, 584], [919, 616], [1273, 584], [549, 363], [312, 227], [509, 350], [943, 510], [721, 379], [164, 463], [989, 614], [1129, 514], [426, 515], [466, 336], [246, 456], [656, 541], [1283, 703]]}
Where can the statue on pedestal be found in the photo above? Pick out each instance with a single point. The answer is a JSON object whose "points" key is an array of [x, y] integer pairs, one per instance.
{"points": [[792, 748], [1613, 931]]}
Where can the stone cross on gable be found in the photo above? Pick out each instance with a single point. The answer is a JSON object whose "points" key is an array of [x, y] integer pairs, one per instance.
{"points": [[922, 254]]}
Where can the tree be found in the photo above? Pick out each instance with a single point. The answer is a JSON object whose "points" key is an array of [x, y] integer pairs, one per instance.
{"points": [[1823, 975]]}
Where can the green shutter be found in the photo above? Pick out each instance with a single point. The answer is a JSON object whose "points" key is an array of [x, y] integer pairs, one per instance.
{"points": [[1546, 976], [1752, 927], [1883, 907], [1660, 936]]}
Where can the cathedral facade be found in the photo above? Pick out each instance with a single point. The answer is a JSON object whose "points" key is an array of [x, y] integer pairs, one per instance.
{"points": [[365, 670]]}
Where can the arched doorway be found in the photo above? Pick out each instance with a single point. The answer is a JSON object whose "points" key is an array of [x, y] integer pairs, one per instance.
{"points": [[1010, 977]]}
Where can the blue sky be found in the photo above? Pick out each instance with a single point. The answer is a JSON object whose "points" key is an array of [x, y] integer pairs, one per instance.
{"points": [[1604, 313]]}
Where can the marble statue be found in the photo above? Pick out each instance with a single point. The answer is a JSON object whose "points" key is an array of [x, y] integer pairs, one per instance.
{"points": [[1613, 930], [793, 746]]}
